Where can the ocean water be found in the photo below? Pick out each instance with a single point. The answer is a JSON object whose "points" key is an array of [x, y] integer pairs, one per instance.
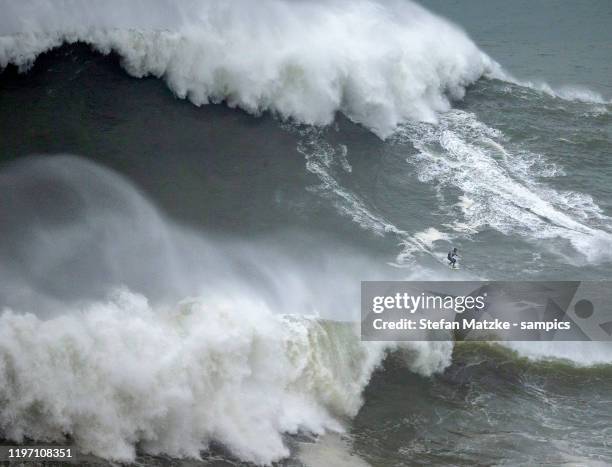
{"points": [[191, 193]]}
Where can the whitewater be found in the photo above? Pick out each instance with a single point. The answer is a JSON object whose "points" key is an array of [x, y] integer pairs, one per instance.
{"points": [[238, 363], [119, 373], [379, 63]]}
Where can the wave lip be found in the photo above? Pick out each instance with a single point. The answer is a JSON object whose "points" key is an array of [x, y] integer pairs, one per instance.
{"points": [[379, 63]]}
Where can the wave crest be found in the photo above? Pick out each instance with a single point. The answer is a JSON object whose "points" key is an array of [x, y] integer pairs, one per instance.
{"points": [[379, 63], [118, 373]]}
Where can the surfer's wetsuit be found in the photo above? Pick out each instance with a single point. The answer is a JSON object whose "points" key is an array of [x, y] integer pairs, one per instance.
{"points": [[452, 258]]}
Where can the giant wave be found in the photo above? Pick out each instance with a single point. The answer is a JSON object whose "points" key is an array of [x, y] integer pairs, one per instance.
{"points": [[380, 63], [121, 329], [123, 359]]}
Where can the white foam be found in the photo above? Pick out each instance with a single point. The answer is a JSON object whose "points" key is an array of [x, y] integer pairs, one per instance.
{"points": [[568, 93], [321, 160], [499, 188], [120, 373], [380, 63]]}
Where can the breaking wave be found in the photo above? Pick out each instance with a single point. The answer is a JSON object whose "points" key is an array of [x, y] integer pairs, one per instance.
{"points": [[379, 63], [303, 61], [119, 373], [100, 342]]}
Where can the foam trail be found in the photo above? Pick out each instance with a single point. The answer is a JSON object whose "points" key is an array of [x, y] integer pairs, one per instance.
{"points": [[321, 160], [498, 186], [119, 373], [325, 160], [380, 63], [330, 450]]}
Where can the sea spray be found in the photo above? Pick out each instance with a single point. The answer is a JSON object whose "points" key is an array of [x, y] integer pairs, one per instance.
{"points": [[118, 373], [78, 230], [82, 354], [379, 63]]}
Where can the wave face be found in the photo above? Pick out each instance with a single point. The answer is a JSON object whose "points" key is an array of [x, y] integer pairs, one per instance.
{"points": [[122, 358], [379, 63], [485, 405]]}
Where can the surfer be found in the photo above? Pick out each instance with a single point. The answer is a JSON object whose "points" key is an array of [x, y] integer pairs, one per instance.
{"points": [[452, 258]]}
